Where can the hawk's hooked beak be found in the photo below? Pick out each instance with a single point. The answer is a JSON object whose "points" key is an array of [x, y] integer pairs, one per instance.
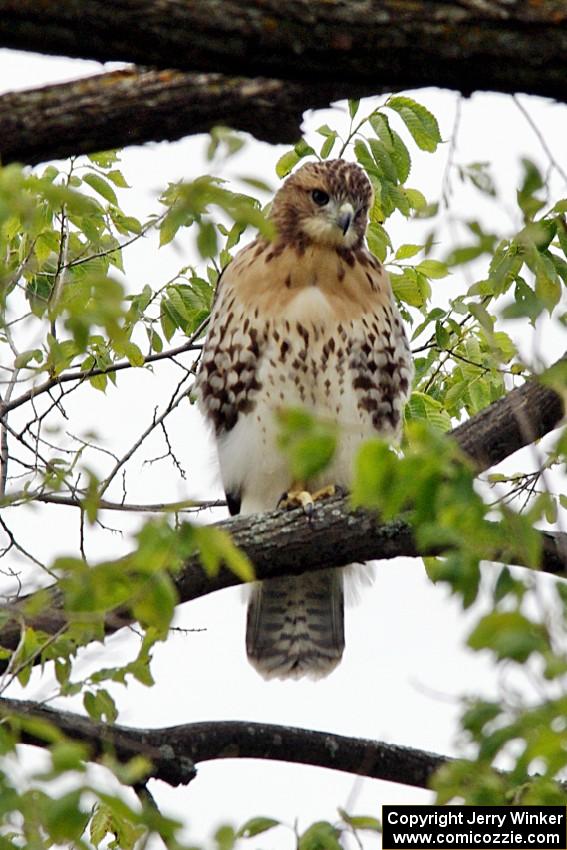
{"points": [[345, 216]]}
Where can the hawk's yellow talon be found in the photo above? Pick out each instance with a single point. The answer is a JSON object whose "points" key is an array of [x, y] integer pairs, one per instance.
{"points": [[325, 493], [297, 499]]}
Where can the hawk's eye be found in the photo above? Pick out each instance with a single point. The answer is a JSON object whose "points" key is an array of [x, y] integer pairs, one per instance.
{"points": [[320, 197]]}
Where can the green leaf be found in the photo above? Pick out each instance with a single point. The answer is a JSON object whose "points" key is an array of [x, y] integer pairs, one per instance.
{"points": [[155, 340], [454, 395], [26, 357], [532, 182], [361, 821], [401, 157], [328, 146], [125, 224], [69, 755], [479, 175], [478, 715], [207, 239], [373, 467], [99, 382], [442, 335], [154, 604], [167, 321], [410, 288], [102, 823], [100, 705], [405, 252], [420, 122], [364, 157], [504, 346], [548, 284], [133, 354], [393, 143], [255, 826], [353, 107], [418, 202], [526, 304], [225, 838], [225, 137], [289, 160], [309, 444], [508, 634], [384, 163], [424, 407], [64, 820], [217, 549], [286, 163], [102, 186], [104, 158], [539, 234], [433, 268], [118, 179], [134, 771], [320, 836], [378, 240]]}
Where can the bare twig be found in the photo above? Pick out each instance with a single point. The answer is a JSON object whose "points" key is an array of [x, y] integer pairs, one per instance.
{"points": [[13, 544], [185, 505], [541, 138], [177, 397], [60, 273]]}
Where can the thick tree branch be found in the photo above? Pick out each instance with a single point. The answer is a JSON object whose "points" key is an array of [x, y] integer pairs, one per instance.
{"points": [[175, 750], [287, 58], [287, 543], [132, 107], [502, 46]]}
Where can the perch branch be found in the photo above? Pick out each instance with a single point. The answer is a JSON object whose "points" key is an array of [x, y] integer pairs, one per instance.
{"points": [[288, 543]]}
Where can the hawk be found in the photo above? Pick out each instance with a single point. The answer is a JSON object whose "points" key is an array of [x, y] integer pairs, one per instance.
{"points": [[305, 320]]}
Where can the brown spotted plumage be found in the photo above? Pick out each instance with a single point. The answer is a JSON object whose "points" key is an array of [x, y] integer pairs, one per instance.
{"points": [[307, 320]]}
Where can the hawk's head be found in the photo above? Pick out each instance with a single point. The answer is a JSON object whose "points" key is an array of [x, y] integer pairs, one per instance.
{"points": [[325, 203]]}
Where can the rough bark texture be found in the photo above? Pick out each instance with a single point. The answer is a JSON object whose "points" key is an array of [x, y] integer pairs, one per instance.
{"points": [[287, 543], [132, 107], [516, 420], [315, 51], [174, 751], [467, 44]]}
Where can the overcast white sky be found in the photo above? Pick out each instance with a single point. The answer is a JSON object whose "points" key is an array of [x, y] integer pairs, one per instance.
{"points": [[405, 667]]}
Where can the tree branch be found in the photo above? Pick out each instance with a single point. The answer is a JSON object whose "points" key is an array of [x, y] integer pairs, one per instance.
{"points": [[288, 543], [184, 506], [97, 113], [501, 46], [175, 750], [371, 47], [84, 375]]}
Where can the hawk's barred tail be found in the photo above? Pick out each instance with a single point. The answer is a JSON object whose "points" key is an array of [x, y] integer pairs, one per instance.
{"points": [[295, 626]]}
